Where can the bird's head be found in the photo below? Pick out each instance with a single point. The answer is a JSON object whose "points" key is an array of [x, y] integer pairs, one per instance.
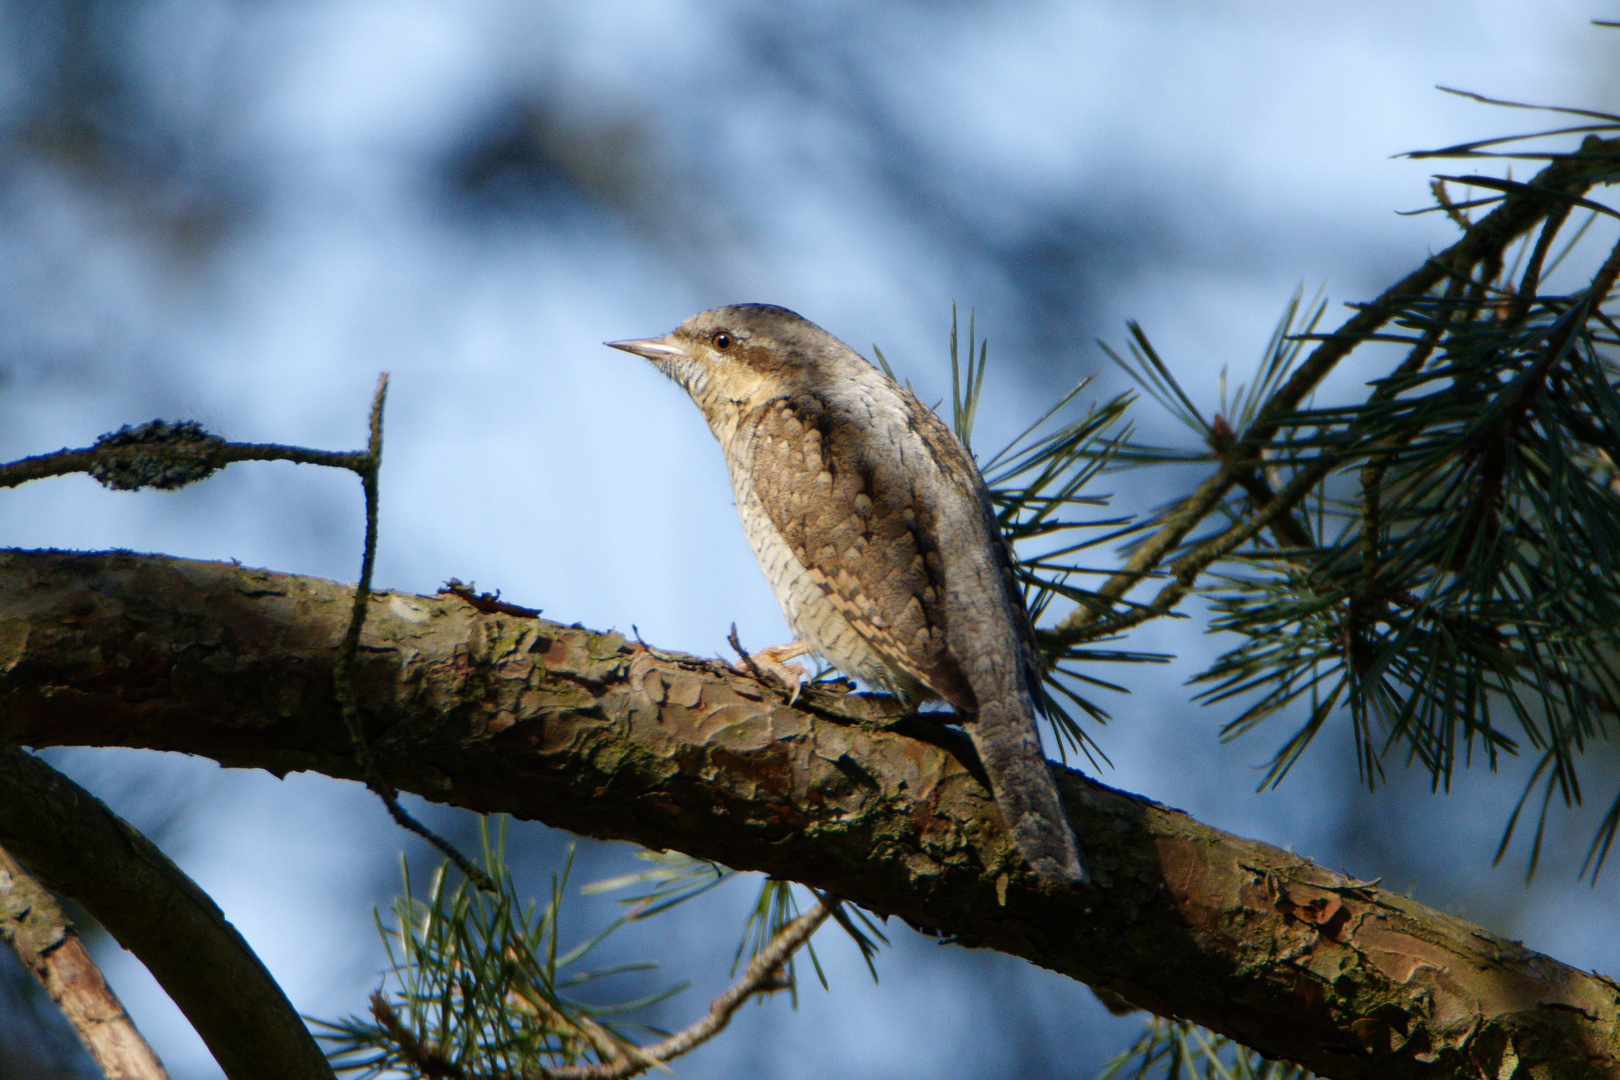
{"points": [[732, 358]]}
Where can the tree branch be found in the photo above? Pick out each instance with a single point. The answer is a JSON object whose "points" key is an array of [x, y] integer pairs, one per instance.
{"points": [[81, 849], [33, 924], [763, 975], [610, 739], [620, 1061], [1565, 179]]}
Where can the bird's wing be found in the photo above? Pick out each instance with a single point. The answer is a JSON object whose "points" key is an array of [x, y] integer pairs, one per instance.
{"points": [[980, 567], [989, 630], [849, 508], [864, 509]]}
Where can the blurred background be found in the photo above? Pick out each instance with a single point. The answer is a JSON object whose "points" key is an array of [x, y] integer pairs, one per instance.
{"points": [[240, 211]]}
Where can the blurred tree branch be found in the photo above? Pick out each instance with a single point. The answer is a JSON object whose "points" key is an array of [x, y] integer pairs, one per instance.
{"points": [[34, 925], [79, 848], [610, 739]]}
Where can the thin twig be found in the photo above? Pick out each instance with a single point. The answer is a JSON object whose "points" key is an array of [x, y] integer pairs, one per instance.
{"points": [[1453, 211], [802, 699], [764, 975], [343, 673], [489, 603], [1289, 530], [748, 659], [1185, 570]]}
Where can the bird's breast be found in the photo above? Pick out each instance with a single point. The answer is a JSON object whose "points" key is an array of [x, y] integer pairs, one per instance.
{"points": [[823, 526], [811, 612]]}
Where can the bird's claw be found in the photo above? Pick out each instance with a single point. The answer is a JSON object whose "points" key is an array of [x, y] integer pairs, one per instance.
{"points": [[775, 659]]}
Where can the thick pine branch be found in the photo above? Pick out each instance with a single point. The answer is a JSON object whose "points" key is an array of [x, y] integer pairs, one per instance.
{"points": [[593, 734]]}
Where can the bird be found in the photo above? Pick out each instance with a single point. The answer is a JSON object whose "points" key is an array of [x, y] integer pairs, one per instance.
{"points": [[876, 533]]}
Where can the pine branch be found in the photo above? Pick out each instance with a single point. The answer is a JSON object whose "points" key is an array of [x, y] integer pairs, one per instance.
{"points": [[1565, 180]]}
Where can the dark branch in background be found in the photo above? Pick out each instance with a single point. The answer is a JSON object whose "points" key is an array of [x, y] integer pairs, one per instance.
{"points": [[81, 849], [166, 455], [34, 925]]}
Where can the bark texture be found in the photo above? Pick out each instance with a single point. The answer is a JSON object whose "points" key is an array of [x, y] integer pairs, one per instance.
{"points": [[611, 739]]}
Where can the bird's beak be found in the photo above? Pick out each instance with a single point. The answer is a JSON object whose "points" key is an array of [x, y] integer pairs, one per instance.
{"points": [[654, 349]]}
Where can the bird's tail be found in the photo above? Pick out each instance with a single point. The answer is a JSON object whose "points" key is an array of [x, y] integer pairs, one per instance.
{"points": [[1021, 781]]}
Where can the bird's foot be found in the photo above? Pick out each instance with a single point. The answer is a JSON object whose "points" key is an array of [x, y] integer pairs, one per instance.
{"points": [[774, 659]]}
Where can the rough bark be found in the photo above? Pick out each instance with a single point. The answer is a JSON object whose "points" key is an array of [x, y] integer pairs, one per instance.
{"points": [[612, 739]]}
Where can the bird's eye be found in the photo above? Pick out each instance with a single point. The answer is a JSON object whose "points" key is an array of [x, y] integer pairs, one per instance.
{"points": [[722, 341]]}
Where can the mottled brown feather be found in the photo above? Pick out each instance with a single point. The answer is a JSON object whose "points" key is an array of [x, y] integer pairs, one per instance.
{"points": [[857, 525]]}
